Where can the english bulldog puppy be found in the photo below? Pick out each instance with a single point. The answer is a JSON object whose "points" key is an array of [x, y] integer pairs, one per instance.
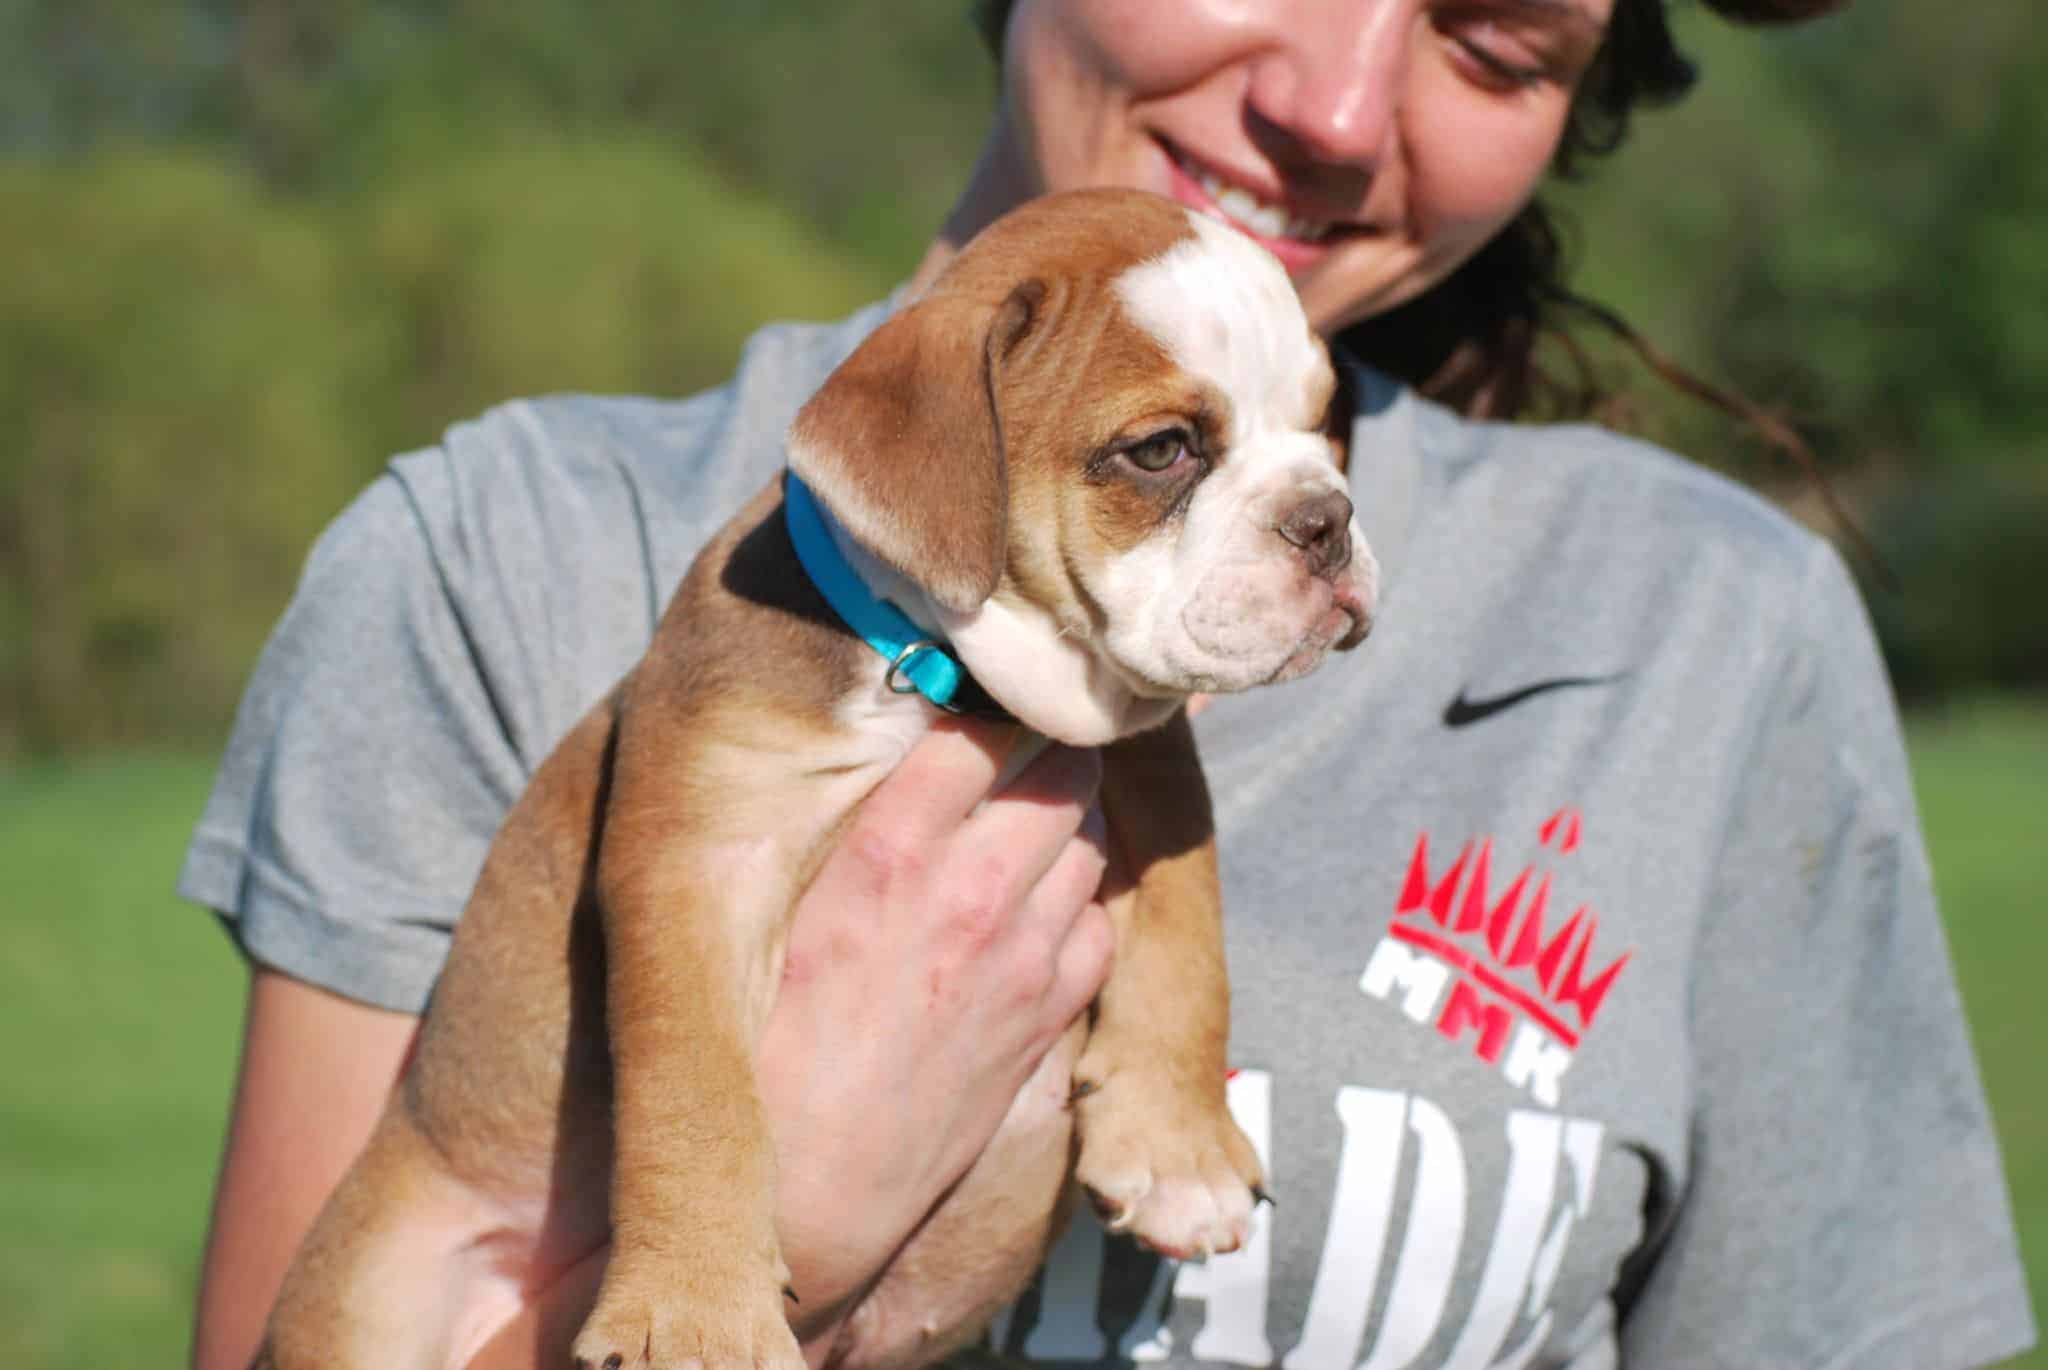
{"points": [[1083, 477]]}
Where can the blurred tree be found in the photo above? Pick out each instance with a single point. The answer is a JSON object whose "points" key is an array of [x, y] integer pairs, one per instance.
{"points": [[863, 113], [201, 373], [1852, 212], [74, 71]]}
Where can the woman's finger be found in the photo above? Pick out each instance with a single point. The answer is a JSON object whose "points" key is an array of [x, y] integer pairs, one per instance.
{"points": [[942, 779], [1056, 902], [1005, 850], [1085, 960]]}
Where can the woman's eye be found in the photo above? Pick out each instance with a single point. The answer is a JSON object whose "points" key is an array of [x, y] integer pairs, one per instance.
{"points": [[1495, 55], [1159, 451], [1498, 69]]}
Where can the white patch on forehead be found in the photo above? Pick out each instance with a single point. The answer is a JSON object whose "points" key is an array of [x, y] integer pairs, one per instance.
{"points": [[1224, 310], [1219, 598]]}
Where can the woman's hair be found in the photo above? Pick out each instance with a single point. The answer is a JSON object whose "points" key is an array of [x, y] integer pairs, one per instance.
{"points": [[1471, 341]]}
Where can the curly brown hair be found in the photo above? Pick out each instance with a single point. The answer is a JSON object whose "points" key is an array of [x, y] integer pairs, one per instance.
{"points": [[1472, 341]]}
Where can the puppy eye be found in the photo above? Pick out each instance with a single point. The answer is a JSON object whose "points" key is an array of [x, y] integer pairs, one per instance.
{"points": [[1158, 452]]}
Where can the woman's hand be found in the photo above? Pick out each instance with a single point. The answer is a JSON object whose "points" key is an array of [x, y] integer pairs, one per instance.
{"points": [[944, 946]]}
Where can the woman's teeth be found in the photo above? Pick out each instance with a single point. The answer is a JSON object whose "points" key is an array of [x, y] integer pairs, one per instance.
{"points": [[1246, 209]]}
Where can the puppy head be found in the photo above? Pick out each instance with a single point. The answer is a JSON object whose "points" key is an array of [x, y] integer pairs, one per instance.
{"points": [[1092, 455]]}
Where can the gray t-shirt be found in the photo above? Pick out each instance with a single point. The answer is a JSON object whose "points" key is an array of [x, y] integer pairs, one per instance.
{"points": [[1590, 1000]]}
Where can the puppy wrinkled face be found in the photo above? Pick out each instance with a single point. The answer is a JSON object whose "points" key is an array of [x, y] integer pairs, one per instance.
{"points": [[1206, 532], [1172, 516]]}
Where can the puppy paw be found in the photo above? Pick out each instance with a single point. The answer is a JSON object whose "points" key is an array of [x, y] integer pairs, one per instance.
{"points": [[1166, 1164], [669, 1317]]}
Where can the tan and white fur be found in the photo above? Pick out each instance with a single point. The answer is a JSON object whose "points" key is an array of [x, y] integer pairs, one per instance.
{"points": [[988, 462]]}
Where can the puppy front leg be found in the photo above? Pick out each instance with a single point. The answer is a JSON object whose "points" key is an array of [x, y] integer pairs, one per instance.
{"points": [[695, 1275], [1160, 1154]]}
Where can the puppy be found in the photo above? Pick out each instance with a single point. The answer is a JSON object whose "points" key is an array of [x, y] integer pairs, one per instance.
{"points": [[1089, 467]]}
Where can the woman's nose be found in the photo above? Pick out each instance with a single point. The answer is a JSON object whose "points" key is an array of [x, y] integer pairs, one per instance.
{"points": [[1332, 82]]}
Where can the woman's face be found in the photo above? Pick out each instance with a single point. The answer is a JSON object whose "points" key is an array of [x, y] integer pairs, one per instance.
{"points": [[1371, 145]]}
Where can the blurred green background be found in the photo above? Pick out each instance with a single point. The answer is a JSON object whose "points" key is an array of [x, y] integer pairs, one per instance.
{"points": [[253, 248]]}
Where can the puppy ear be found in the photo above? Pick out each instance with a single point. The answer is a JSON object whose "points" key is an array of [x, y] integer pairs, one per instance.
{"points": [[904, 442]]}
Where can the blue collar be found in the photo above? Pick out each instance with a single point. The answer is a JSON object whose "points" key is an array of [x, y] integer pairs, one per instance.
{"points": [[913, 657]]}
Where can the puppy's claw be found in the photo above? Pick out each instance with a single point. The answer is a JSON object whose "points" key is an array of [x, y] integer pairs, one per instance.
{"points": [[1115, 1216], [734, 1325], [1172, 1165]]}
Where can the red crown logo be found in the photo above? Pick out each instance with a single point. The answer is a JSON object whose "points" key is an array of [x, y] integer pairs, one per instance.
{"points": [[1492, 939]]}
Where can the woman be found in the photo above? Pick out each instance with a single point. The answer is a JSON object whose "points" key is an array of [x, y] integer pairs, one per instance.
{"points": [[1590, 998]]}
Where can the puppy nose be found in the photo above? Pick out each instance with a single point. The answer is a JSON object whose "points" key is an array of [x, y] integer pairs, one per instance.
{"points": [[1321, 527]]}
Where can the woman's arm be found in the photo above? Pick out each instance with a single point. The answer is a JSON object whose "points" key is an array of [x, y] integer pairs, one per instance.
{"points": [[315, 1070], [943, 947]]}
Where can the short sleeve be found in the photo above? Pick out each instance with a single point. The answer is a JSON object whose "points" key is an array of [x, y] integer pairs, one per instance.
{"points": [[1845, 1203], [367, 770]]}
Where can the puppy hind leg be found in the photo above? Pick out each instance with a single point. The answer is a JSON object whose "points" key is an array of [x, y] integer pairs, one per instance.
{"points": [[396, 1273]]}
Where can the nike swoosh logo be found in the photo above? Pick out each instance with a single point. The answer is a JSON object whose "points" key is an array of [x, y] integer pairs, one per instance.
{"points": [[1462, 712]]}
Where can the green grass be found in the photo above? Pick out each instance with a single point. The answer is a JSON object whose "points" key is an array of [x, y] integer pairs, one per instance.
{"points": [[1982, 777], [119, 1009]]}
